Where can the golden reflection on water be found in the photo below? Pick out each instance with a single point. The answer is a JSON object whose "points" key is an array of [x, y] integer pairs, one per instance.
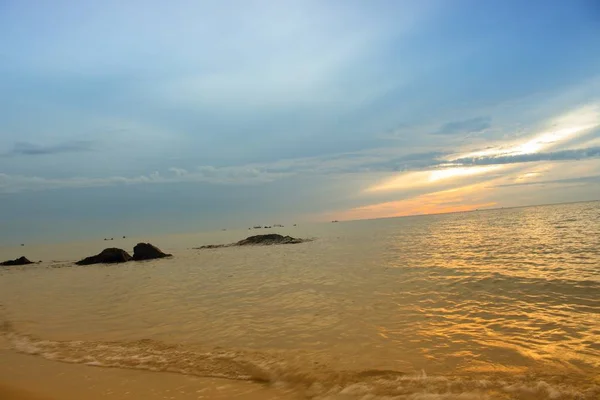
{"points": [[494, 292]]}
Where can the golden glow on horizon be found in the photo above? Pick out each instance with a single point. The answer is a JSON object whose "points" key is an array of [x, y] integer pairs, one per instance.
{"points": [[561, 131], [465, 198]]}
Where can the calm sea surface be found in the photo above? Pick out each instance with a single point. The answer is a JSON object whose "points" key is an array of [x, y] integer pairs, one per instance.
{"points": [[501, 304]]}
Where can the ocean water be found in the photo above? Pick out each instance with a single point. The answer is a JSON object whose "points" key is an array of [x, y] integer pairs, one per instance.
{"points": [[499, 304]]}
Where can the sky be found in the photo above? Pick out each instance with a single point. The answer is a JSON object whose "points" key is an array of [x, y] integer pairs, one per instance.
{"points": [[150, 116]]}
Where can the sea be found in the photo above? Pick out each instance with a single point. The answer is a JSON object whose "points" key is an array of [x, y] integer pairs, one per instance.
{"points": [[488, 304]]}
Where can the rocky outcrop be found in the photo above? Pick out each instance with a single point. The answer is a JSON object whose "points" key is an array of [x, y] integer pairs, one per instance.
{"points": [[270, 239], [107, 256], [259, 240], [18, 261], [213, 246], [146, 251]]}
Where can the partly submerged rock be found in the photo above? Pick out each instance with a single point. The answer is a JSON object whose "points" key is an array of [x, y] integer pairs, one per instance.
{"points": [[269, 239], [19, 261], [214, 246], [259, 240], [107, 256], [146, 251]]}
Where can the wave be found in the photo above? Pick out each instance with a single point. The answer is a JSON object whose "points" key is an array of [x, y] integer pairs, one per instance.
{"points": [[298, 372]]}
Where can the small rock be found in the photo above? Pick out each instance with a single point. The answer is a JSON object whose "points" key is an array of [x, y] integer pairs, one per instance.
{"points": [[107, 256], [259, 240], [146, 251], [18, 261], [213, 246], [268, 239]]}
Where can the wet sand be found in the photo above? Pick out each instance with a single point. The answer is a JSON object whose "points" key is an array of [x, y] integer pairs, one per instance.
{"points": [[24, 377], [11, 393]]}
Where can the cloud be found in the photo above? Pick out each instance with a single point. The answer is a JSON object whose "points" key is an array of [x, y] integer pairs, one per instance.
{"points": [[32, 149], [178, 171], [368, 161], [579, 180], [420, 168], [473, 125], [19, 183], [242, 175], [561, 155]]}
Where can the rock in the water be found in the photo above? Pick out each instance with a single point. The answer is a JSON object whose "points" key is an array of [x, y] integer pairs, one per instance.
{"points": [[107, 256], [258, 240], [214, 246], [146, 251], [18, 261], [272, 238]]}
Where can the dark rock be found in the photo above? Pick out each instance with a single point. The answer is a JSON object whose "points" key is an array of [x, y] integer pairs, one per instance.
{"points": [[18, 261], [259, 240], [214, 246], [269, 239], [146, 251], [107, 256]]}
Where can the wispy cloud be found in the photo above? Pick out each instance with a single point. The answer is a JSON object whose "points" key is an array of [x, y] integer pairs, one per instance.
{"points": [[562, 155], [33, 149], [579, 180], [473, 125], [417, 170], [243, 175]]}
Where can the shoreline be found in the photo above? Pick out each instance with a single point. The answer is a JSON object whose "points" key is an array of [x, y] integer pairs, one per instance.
{"points": [[54, 380]]}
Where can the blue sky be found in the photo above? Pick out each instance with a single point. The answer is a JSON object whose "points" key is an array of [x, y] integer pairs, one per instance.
{"points": [[180, 116]]}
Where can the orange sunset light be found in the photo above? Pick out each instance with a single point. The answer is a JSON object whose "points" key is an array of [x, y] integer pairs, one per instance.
{"points": [[466, 198]]}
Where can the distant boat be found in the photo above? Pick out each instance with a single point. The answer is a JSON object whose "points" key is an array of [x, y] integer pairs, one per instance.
{"points": [[334, 221], [258, 227]]}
